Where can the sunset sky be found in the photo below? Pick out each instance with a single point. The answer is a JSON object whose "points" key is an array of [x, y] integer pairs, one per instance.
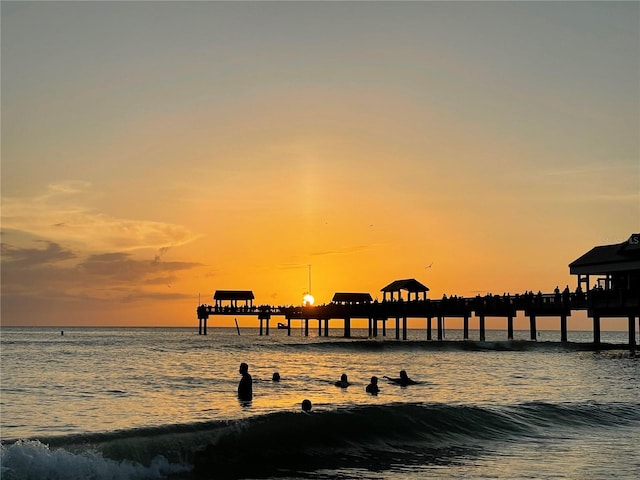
{"points": [[153, 152]]}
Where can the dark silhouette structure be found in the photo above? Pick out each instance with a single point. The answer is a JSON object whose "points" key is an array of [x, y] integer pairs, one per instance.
{"points": [[345, 298], [614, 269], [616, 289], [226, 302], [410, 285]]}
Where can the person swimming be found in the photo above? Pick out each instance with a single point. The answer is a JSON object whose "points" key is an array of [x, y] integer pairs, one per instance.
{"points": [[343, 382], [373, 388], [403, 380], [245, 387], [306, 405], [276, 377]]}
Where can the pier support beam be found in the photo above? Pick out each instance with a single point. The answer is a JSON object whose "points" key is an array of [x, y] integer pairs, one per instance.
{"points": [[440, 322], [375, 327], [563, 328], [632, 333], [319, 327], [465, 327], [288, 327], [326, 327], [266, 322], [347, 327], [384, 327], [260, 320], [404, 327], [596, 329], [532, 327], [397, 328], [510, 327], [306, 327], [428, 328], [482, 329]]}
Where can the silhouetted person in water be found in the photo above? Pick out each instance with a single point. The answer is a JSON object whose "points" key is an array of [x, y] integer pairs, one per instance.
{"points": [[373, 388], [276, 377], [306, 405], [343, 382], [403, 381], [245, 387]]}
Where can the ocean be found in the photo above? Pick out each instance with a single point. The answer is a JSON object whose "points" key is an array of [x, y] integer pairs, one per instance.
{"points": [[149, 403]]}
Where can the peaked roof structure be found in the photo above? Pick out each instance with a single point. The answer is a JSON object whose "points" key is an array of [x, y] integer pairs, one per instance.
{"points": [[233, 295], [619, 257], [409, 284], [345, 297]]}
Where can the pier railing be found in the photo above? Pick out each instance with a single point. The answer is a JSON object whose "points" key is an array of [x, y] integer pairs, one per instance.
{"points": [[618, 303], [598, 303]]}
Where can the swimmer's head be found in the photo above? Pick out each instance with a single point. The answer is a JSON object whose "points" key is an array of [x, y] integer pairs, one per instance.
{"points": [[306, 405], [276, 377]]}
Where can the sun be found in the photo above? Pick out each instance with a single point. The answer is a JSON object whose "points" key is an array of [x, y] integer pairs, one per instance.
{"points": [[307, 300]]}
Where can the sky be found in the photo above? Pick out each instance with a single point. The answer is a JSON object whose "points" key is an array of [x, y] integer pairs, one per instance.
{"points": [[154, 152]]}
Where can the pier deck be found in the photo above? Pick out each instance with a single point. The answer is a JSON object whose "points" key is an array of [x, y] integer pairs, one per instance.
{"points": [[597, 304]]}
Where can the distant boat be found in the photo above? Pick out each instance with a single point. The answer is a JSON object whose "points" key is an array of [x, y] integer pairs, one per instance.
{"points": [[282, 325]]}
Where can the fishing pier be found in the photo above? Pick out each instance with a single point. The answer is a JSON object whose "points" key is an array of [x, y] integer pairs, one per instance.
{"points": [[616, 294]]}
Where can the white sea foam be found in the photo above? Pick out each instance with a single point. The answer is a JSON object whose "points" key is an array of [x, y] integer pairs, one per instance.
{"points": [[31, 459]]}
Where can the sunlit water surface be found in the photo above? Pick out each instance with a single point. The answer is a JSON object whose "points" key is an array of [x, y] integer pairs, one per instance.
{"points": [[110, 379]]}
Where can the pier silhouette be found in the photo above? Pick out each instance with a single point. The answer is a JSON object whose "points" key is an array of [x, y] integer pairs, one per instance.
{"points": [[616, 294]]}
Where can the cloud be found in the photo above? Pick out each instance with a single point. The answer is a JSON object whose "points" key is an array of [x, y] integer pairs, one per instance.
{"points": [[292, 266], [121, 267], [591, 170], [345, 250], [30, 257], [61, 215], [46, 262]]}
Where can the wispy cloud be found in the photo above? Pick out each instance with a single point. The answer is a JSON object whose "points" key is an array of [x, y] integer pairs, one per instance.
{"points": [[61, 215], [13, 256], [597, 169], [346, 250], [121, 266]]}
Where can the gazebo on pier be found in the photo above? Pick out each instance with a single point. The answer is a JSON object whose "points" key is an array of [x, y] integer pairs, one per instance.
{"points": [[233, 297], [410, 285], [616, 292], [616, 266], [346, 298]]}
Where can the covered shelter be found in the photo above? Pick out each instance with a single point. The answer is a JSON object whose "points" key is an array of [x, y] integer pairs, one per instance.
{"points": [[233, 297], [410, 285], [616, 267], [346, 298]]}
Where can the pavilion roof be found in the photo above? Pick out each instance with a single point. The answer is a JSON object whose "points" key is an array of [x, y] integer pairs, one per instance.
{"points": [[233, 295], [347, 297], [409, 284], [605, 259]]}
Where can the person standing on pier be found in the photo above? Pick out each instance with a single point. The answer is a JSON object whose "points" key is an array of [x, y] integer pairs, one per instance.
{"points": [[245, 387]]}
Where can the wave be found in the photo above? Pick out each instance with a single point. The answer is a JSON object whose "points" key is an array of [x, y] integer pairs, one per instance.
{"points": [[287, 443]]}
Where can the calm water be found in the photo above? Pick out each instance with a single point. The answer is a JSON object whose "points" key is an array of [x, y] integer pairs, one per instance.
{"points": [[146, 403]]}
